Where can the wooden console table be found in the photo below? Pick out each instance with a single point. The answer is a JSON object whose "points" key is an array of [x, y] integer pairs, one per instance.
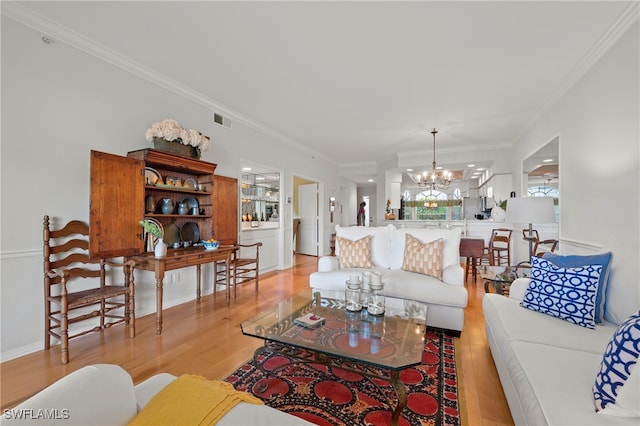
{"points": [[182, 258]]}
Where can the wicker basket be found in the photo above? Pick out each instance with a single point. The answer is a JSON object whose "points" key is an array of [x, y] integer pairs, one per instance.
{"points": [[176, 147]]}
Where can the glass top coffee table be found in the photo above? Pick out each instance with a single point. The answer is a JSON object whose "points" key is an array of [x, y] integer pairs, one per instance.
{"points": [[501, 277], [376, 346]]}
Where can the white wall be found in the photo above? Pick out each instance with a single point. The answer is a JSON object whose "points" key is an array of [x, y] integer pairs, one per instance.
{"points": [[59, 103], [598, 124]]}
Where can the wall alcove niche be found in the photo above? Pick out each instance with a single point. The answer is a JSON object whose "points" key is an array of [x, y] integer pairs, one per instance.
{"points": [[541, 173]]}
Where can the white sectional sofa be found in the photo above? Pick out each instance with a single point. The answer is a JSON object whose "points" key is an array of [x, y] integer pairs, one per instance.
{"points": [[446, 298], [547, 366], [104, 394]]}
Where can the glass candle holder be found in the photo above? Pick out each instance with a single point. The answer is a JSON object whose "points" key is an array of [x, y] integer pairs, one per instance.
{"points": [[375, 305], [353, 299]]}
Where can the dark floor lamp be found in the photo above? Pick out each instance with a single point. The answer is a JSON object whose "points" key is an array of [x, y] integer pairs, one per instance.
{"points": [[530, 210]]}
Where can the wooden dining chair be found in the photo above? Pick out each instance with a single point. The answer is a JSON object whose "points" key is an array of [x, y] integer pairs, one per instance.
{"points": [[243, 267], [501, 246], [498, 249], [76, 289], [550, 245]]}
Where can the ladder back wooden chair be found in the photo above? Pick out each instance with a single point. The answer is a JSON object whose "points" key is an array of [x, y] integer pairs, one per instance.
{"points": [[243, 268], [501, 246], [498, 249], [549, 245], [76, 290]]}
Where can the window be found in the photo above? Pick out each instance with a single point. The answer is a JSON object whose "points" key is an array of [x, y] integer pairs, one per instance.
{"points": [[546, 191], [542, 191], [428, 207]]}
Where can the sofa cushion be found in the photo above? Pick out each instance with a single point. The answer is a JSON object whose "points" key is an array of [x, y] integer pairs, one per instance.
{"points": [[573, 261], [620, 359], [510, 321], [565, 293], [355, 254], [450, 249], [380, 241], [423, 257], [423, 288], [553, 385]]}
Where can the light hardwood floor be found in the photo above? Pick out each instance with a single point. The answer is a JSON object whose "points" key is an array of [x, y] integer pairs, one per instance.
{"points": [[205, 338]]}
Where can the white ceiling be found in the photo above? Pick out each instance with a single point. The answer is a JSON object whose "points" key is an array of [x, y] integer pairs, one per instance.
{"points": [[358, 82]]}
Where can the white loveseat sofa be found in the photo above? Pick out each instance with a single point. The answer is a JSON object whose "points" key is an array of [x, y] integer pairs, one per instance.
{"points": [[446, 298], [547, 366], [104, 394]]}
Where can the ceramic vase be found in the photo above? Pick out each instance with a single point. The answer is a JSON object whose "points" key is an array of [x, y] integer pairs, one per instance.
{"points": [[160, 249]]}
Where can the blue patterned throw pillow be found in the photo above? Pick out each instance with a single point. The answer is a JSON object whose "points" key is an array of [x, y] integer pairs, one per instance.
{"points": [[575, 260], [565, 293], [619, 361]]}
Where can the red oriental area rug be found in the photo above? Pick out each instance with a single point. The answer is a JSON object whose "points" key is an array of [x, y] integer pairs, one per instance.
{"points": [[332, 396]]}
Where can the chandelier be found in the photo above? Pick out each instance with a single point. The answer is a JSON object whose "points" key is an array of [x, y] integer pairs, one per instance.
{"points": [[436, 179]]}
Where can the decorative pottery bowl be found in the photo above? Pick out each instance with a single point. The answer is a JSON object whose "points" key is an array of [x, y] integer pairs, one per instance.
{"points": [[208, 245]]}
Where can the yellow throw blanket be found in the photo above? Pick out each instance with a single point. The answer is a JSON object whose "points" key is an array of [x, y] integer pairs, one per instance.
{"points": [[191, 400]]}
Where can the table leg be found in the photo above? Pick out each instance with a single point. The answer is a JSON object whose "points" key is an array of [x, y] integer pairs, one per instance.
{"points": [[473, 268], [228, 277], [401, 392], [159, 279], [198, 277]]}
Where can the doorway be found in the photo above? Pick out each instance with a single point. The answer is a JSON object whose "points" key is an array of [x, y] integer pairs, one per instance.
{"points": [[367, 216], [308, 234]]}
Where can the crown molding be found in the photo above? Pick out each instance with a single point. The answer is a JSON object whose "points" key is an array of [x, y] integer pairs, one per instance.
{"points": [[54, 30], [627, 18]]}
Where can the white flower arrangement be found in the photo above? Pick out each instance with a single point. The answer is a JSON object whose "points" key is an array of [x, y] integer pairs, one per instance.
{"points": [[171, 130]]}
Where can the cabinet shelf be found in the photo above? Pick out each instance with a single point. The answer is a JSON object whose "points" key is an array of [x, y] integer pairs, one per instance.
{"points": [[265, 200], [176, 189], [178, 216]]}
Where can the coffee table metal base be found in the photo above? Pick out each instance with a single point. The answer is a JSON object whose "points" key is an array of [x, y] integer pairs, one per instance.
{"points": [[332, 361]]}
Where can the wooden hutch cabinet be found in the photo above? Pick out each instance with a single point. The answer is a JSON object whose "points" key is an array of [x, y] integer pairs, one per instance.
{"points": [[122, 194]]}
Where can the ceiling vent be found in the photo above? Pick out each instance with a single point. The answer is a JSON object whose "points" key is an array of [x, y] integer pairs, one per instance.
{"points": [[223, 121]]}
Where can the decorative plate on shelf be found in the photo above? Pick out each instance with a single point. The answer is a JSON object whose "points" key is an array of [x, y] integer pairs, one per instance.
{"points": [[151, 176], [190, 183], [173, 180], [190, 232], [171, 234]]}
